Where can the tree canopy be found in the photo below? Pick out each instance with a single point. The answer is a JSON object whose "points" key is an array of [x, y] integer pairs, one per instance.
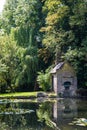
{"points": [[36, 34]]}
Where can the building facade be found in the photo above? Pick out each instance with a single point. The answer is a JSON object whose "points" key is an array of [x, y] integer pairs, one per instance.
{"points": [[64, 80]]}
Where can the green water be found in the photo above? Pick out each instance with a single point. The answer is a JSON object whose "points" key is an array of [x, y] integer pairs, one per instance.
{"points": [[42, 115]]}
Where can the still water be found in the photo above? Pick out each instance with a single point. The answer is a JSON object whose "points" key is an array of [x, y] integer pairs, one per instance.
{"points": [[60, 114]]}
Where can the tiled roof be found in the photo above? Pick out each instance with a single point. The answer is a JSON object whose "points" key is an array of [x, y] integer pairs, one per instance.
{"points": [[57, 67]]}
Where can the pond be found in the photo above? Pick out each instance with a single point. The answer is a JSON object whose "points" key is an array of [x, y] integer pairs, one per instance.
{"points": [[58, 114]]}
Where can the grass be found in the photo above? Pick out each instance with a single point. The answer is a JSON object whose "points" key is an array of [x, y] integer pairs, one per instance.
{"points": [[19, 94], [23, 95]]}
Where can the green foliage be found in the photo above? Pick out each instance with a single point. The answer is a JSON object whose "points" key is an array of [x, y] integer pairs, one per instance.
{"points": [[44, 80], [3, 71], [36, 34], [28, 70], [3, 68], [21, 23], [7, 15], [65, 33], [8, 62]]}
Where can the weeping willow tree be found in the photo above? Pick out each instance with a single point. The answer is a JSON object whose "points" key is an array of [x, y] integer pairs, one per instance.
{"points": [[29, 66], [22, 23]]}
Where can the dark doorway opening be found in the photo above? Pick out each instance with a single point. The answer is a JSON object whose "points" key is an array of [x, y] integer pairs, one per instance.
{"points": [[67, 85]]}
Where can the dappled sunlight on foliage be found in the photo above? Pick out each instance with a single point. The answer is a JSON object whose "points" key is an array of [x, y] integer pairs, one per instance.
{"points": [[36, 34]]}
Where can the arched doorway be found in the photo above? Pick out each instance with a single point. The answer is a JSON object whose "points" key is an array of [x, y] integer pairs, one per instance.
{"points": [[66, 92], [67, 85]]}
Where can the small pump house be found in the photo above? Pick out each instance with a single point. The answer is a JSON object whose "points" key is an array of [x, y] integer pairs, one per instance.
{"points": [[64, 80]]}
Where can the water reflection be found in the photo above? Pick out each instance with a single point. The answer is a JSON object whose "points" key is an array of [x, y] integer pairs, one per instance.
{"points": [[64, 109], [47, 115]]}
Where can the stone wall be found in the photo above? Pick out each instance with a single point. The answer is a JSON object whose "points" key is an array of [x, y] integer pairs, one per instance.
{"points": [[62, 75]]}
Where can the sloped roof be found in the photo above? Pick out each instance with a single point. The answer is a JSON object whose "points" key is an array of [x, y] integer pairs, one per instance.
{"points": [[57, 67]]}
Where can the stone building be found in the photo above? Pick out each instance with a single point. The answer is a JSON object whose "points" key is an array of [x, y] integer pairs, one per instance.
{"points": [[64, 80]]}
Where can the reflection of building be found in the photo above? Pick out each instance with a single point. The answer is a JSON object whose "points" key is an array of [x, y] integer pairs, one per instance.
{"points": [[64, 80], [64, 111]]}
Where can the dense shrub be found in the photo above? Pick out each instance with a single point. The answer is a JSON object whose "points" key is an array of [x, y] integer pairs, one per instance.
{"points": [[43, 80]]}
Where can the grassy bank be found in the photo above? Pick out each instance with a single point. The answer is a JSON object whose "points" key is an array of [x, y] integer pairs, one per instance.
{"points": [[19, 95], [25, 95]]}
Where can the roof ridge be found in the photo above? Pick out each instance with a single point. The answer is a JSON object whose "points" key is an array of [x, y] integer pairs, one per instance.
{"points": [[57, 67]]}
